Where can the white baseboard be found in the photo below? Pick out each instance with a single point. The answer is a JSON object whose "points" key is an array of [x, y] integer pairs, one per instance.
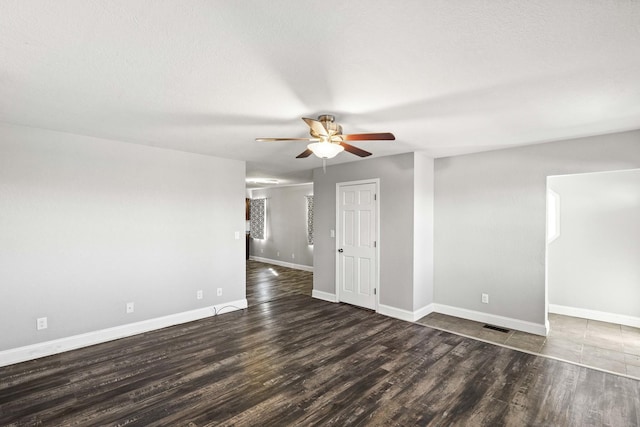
{"points": [[420, 313], [396, 313], [595, 315], [48, 348], [493, 319], [399, 313], [505, 322], [282, 263], [325, 296]]}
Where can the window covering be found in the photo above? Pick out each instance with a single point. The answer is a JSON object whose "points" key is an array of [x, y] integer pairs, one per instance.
{"points": [[309, 219], [258, 207]]}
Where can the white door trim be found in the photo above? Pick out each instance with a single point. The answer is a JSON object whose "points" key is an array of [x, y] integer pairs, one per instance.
{"points": [[375, 181]]}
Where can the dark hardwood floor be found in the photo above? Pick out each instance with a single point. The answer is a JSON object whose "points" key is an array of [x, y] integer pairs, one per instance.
{"points": [[293, 360]]}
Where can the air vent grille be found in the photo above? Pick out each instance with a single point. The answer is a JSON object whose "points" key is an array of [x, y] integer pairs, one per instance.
{"points": [[496, 328]]}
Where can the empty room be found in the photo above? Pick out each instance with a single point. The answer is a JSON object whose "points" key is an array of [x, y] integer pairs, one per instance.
{"points": [[319, 213]]}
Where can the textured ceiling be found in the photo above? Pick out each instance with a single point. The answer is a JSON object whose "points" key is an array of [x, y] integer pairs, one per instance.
{"points": [[447, 77]]}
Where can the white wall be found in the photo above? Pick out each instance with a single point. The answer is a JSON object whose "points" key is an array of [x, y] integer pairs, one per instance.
{"points": [[286, 226], [490, 221], [423, 231], [594, 264], [87, 225]]}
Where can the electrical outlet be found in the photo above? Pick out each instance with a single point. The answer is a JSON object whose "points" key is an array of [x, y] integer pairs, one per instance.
{"points": [[41, 323], [293, 256], [129, 307], [219, 292], [237, 235], [199, 294], [278, 253], [332, 233], [485, 298], [261, 250]]}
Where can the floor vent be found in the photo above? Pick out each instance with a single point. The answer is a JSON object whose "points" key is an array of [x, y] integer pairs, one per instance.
{"points": [[496, 328]]}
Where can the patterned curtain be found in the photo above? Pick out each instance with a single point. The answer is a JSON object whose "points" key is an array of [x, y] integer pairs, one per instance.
{"points": [[257, 218], [309, 219]]}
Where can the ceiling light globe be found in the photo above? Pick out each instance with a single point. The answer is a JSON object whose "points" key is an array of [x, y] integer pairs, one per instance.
{"points": [[325, 150]]}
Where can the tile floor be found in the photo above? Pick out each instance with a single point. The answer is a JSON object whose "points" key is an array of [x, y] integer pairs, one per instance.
{"points": [[601, 345]]}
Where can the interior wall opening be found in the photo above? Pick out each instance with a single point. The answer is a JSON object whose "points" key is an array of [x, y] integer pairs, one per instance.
{"points": [[593, 246]]}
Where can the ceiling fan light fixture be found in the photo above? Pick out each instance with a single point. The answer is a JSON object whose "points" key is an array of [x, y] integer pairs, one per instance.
{"points": [[325, 150], [327, 139]]}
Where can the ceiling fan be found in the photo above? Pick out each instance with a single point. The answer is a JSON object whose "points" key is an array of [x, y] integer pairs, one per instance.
{"points": [[327, 139]]}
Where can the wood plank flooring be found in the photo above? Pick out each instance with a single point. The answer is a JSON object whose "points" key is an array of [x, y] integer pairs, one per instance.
{"points": [[267, 282], [294, 360]]}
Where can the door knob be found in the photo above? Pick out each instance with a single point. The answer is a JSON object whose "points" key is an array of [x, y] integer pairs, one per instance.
{"points": [[340, 250]]}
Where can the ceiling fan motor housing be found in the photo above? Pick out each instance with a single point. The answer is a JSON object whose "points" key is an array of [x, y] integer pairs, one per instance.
{"points": [[328, 122], [326, 118]]}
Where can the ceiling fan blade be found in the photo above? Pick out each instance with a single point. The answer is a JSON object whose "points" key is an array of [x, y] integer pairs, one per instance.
{"points": [[305, 153], [316, 126], [368, 136], [285, 139], [355, 150]]}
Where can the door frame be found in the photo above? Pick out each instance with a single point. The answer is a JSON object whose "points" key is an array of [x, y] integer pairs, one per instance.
{"points": [[375, 181]]}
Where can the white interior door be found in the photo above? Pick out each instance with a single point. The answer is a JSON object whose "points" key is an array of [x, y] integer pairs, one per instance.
{"points": [[357, 274]]}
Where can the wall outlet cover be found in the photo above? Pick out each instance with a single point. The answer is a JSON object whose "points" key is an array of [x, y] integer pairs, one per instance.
{"points": [[41, 323]]}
